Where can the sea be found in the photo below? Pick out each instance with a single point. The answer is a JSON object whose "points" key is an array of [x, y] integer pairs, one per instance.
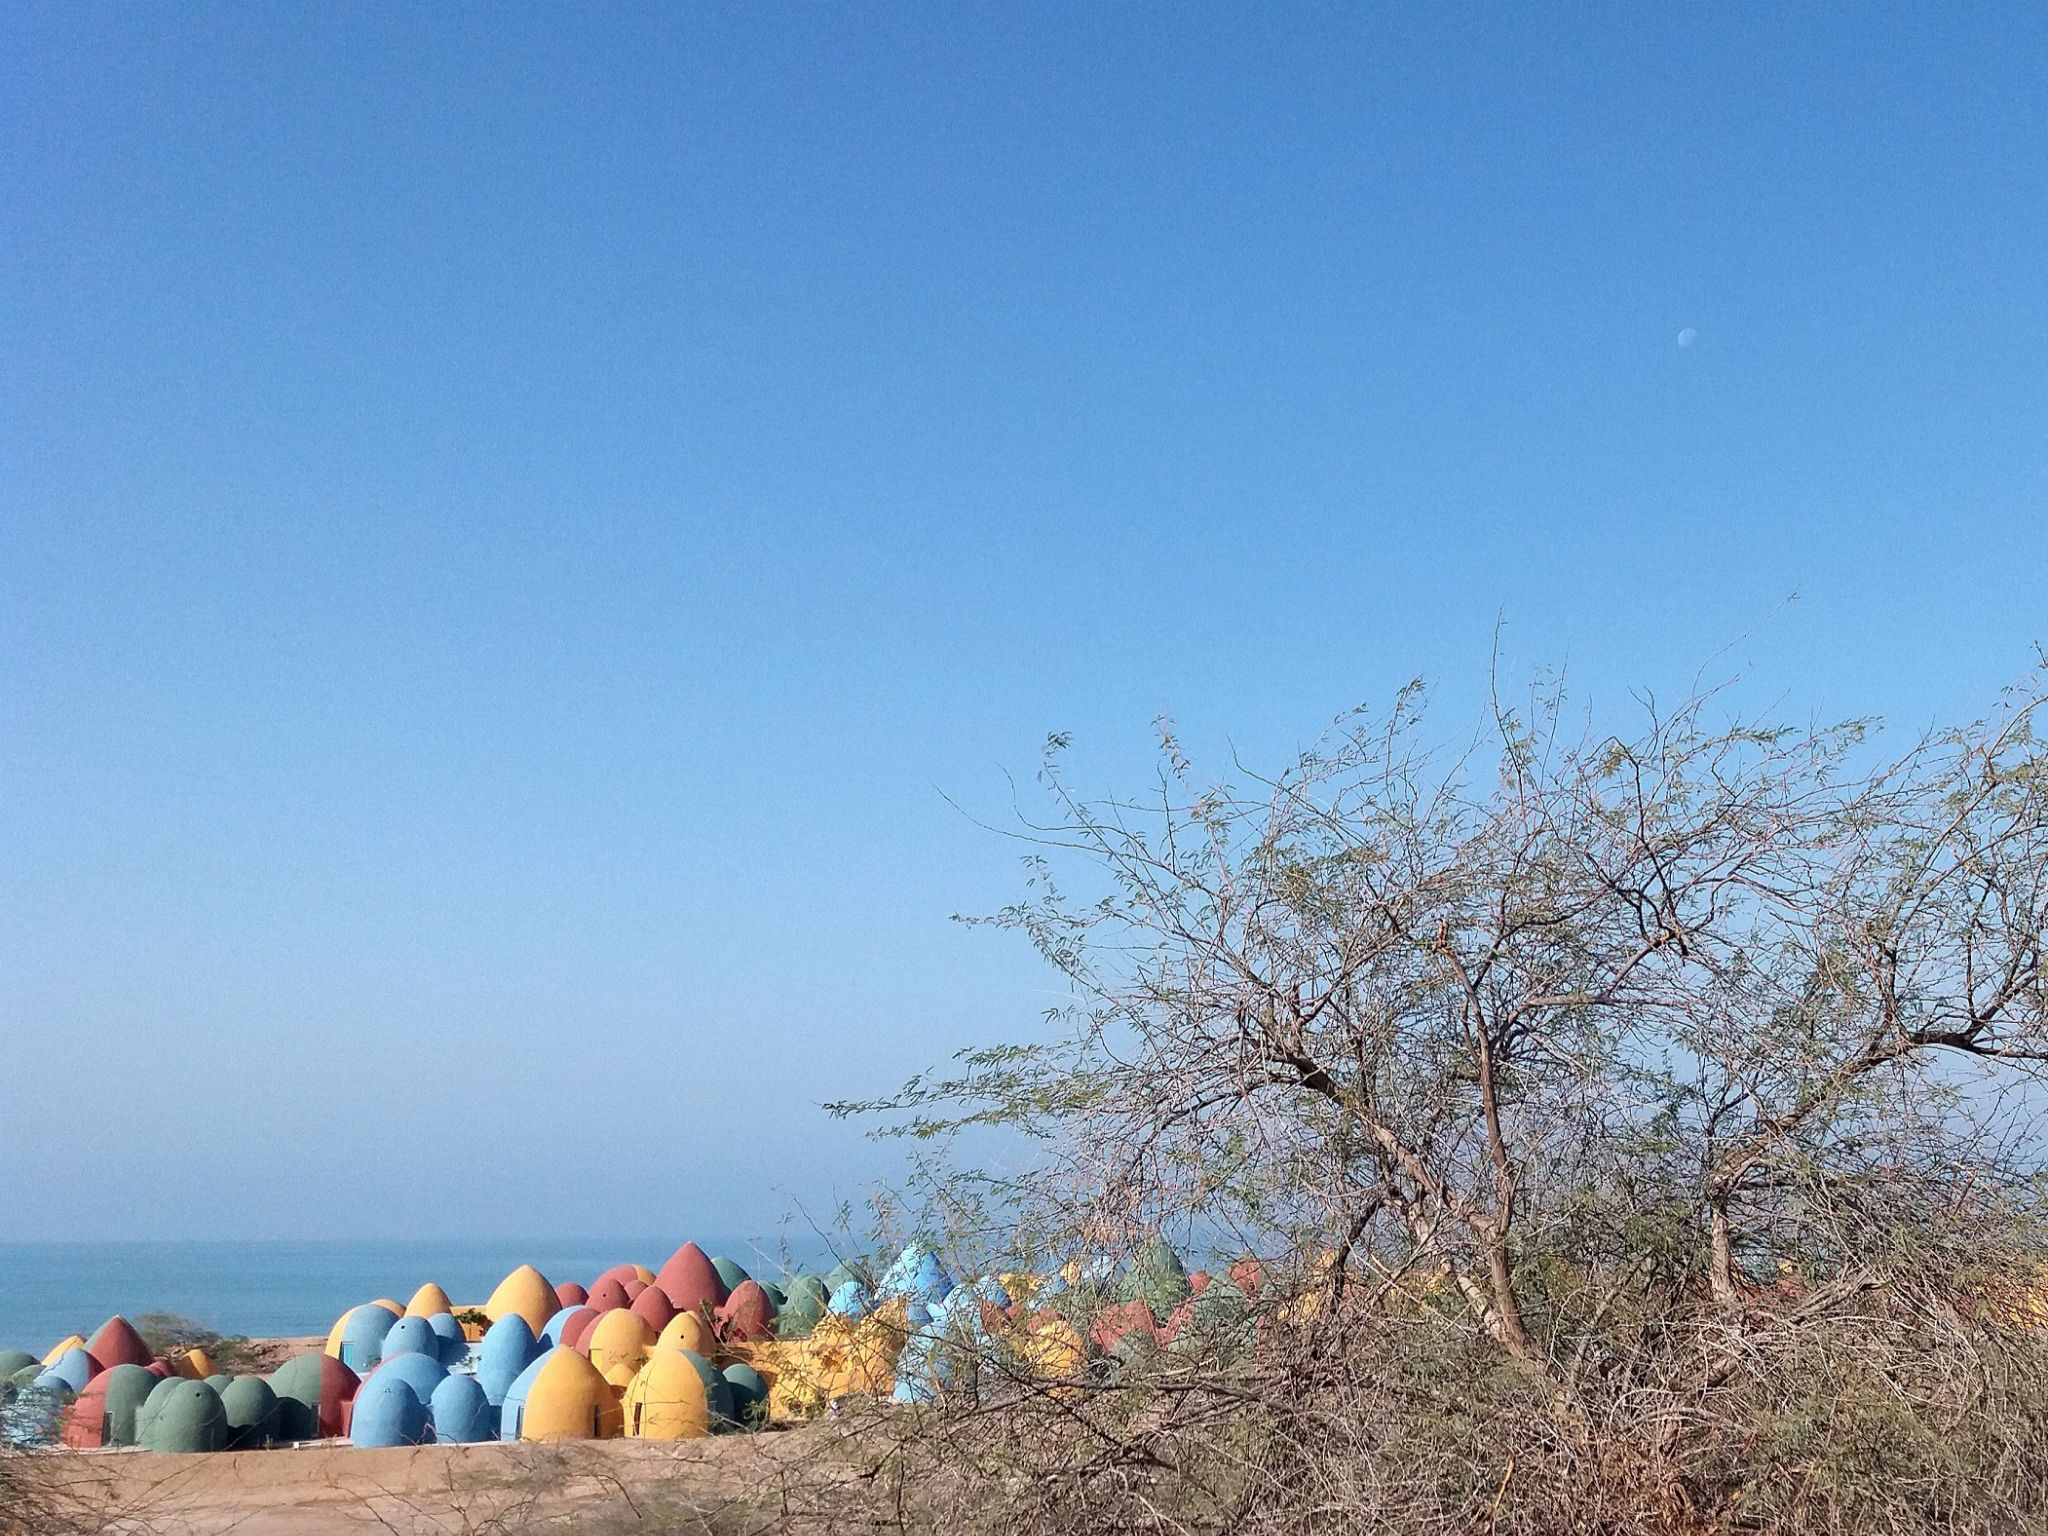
{"points": [[49, 1290]]}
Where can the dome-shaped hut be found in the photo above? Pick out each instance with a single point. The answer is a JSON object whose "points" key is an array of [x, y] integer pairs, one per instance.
{"points": [[313, 1394], [454, 1342], [72, 1370], [576, 1332], [410, 1336], [63, 1347], [251, 1407], [421, 1372], [667, 1400], [560, 1396], [730, 1272], [618, 1345], [428, 1300], [525, 1291], [388, 1411], [360, 1339], [460, 1412], [608, 1294], [807, 1302], [686, 1330], [749, 1394], [852, 1300], [653, 1307], [748, 1315], [187, 1418], [117, 1343], [508, 1348], [146, 1414], [690, 1281]]}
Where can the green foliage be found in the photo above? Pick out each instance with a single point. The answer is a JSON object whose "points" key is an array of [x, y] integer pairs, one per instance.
{"points": [[169, 1335], [1629, 1115]]}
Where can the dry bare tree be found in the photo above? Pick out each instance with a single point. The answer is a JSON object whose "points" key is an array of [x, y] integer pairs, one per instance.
{"points": [[1640, 1063]]}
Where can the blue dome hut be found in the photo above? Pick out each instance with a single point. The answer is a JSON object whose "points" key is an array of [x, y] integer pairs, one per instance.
{"points": [[509, 1347], [460, 1413], [512, 1411], [421, 1372], [362, 1337], [454, 1344], [409, 1336], [916, 1272], [851, 1300], [71, 1371], [388, 1411]]}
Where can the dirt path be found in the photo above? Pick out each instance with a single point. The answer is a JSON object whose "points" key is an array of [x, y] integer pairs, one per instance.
{"points": [[591, 1488]]}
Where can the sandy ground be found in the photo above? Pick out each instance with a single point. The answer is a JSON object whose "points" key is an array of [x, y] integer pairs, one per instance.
{"points": [[333, 1489], [267, 1355], [591, 1488]]}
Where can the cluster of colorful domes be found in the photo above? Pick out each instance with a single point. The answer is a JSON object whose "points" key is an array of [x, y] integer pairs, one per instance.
{"points": [[662, 1354], [696, 1347], [114, 1390]]}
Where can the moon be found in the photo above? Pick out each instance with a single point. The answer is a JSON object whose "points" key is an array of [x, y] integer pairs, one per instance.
{"points": [[1687, 337]]}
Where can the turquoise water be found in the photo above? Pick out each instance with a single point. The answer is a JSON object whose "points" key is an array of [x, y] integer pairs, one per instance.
{"points": [[48, 1290]]}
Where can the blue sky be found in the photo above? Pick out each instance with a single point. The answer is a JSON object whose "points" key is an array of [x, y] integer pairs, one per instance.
{"points": [[514, 520]]}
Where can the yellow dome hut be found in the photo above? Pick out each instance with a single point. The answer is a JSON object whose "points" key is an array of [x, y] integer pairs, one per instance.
{"points": [[567, 1400], [619, 1345], [666, 1400], [1052, 1348], [428, 1300], [525, 1291], [686, 1330]]}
